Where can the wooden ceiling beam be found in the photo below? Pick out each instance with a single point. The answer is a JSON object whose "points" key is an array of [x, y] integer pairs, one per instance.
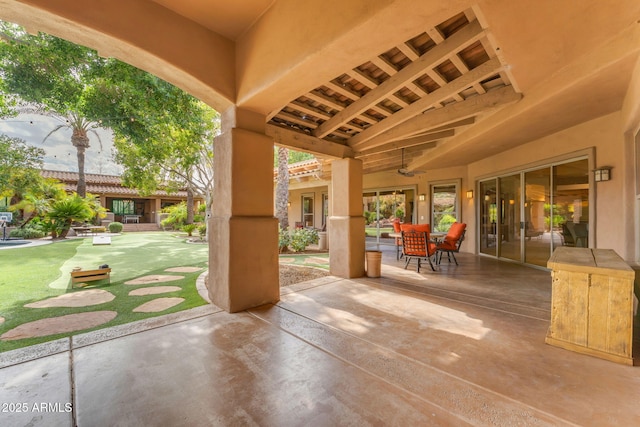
{"points": [[430, 59], [310, 144], [409, 142], [451, 116], [479, 73]]}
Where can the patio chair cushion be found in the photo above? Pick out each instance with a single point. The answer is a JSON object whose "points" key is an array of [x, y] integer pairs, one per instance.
{"points": [[453, 235], [416, 227]]}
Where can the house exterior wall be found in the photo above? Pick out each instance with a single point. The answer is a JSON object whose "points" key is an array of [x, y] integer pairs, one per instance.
{"points": [[604, 137]]}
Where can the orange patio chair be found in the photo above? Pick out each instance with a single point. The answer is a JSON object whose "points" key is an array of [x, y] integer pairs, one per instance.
{"points": [[452, 241], [416, 245], [396, 229]]}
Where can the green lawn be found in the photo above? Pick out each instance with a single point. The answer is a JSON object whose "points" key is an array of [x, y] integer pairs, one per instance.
{"points": [[35, 273]]}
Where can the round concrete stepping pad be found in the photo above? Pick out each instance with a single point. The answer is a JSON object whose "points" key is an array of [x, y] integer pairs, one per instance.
{"points": [[75, 299], [316, 260], [153, 278], [183, 269], [154, 290], [59, 325], [1, 319], [158, 304], [287, 260]]}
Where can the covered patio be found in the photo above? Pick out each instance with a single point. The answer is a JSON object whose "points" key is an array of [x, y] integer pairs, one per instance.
{"points": [[461, 346]]}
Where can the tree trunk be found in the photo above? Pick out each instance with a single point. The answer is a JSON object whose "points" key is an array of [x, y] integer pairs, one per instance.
{"points": [[282, 188], [82, 184], [80, 140], [208, 211], [189, 205]]}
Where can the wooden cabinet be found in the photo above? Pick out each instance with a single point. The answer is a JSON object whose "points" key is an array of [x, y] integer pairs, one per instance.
{"points": [[592, 303]]}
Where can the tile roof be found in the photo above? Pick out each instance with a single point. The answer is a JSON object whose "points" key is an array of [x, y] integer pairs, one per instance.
{"points": [[102, 184]]}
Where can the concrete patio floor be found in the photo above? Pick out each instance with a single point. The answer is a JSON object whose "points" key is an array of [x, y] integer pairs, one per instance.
{"points": [[460, 346]]}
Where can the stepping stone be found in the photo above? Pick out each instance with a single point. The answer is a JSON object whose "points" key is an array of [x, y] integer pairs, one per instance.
{"points": [[75, 299], [287, 260], [158, 304], [154, 290], [153, 278], [1, 319], [59, 325], [183, 269], [316, 260]]}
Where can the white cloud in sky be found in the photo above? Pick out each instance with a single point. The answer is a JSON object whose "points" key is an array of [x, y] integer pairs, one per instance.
{"points": [[61, 155]]}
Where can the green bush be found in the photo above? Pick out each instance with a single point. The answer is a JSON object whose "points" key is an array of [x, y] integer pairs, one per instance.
{"points": [[27, 233], [202, 230], [115, 227], [189, 229], [177, 215], [198, 218], [303, 237], [283, 239]]}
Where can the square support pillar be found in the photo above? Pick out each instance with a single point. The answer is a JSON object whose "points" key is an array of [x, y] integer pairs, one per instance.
{"points": [[346, 223], [243, 233]]}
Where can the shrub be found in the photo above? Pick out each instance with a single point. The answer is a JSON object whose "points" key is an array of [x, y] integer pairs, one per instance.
{"points": [[202, 230], [189, 229], [303, 237], [283, 239], [115, 227], [177, 215], [27, 233], [198, 218]]}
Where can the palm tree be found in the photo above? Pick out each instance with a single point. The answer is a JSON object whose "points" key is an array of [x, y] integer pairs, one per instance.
{"points": [[282, 188], [37, 200], [66, 211], [80, 128]]}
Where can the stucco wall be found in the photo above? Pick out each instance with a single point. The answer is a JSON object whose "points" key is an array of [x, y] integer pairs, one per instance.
{"points": [[605, 136]]}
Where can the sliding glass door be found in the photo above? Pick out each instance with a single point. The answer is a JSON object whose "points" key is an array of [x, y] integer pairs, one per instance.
{"points": [[536, 222], [510, 212], [525, 216]]}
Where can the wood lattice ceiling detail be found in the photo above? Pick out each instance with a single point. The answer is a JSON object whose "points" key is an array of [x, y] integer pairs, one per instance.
{"points": [[415, 95]]}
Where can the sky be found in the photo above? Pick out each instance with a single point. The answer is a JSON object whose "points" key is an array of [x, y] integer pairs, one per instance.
{"points": [[60, 154]]}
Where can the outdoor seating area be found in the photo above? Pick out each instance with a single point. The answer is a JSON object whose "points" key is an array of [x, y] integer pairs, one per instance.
{"points": [[416, 242]]}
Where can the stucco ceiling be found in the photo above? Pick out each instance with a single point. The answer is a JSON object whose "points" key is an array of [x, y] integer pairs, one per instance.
{"points": [[228, 18]]}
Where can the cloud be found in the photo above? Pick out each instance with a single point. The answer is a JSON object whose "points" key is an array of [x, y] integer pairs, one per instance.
{"points": [[60, 154]]}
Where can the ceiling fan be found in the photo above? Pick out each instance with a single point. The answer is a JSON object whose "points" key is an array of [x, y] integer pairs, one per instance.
{"points": [[406, 172]]}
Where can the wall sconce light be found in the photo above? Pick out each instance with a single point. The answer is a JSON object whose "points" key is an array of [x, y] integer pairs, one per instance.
{"points": [[288, 204], [422, 197], [602, 174], [469, 194]]}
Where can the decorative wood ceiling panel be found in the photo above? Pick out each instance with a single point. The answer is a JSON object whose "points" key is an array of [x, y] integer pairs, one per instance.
{"points": [[428, 85]]}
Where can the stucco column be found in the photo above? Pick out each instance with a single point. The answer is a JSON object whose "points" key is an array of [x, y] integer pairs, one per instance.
{"points": [[243, 233], [346, 220]]}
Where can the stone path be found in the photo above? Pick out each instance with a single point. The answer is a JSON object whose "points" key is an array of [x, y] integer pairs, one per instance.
{"points": [[75, 299], [158, 304], [153, 278], [154, 290], [59, 325], [86, 298]]}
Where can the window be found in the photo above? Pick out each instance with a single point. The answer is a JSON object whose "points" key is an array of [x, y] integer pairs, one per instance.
{"points": [[307, 210], [325, 210], [123, 207], [444, 206]]}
